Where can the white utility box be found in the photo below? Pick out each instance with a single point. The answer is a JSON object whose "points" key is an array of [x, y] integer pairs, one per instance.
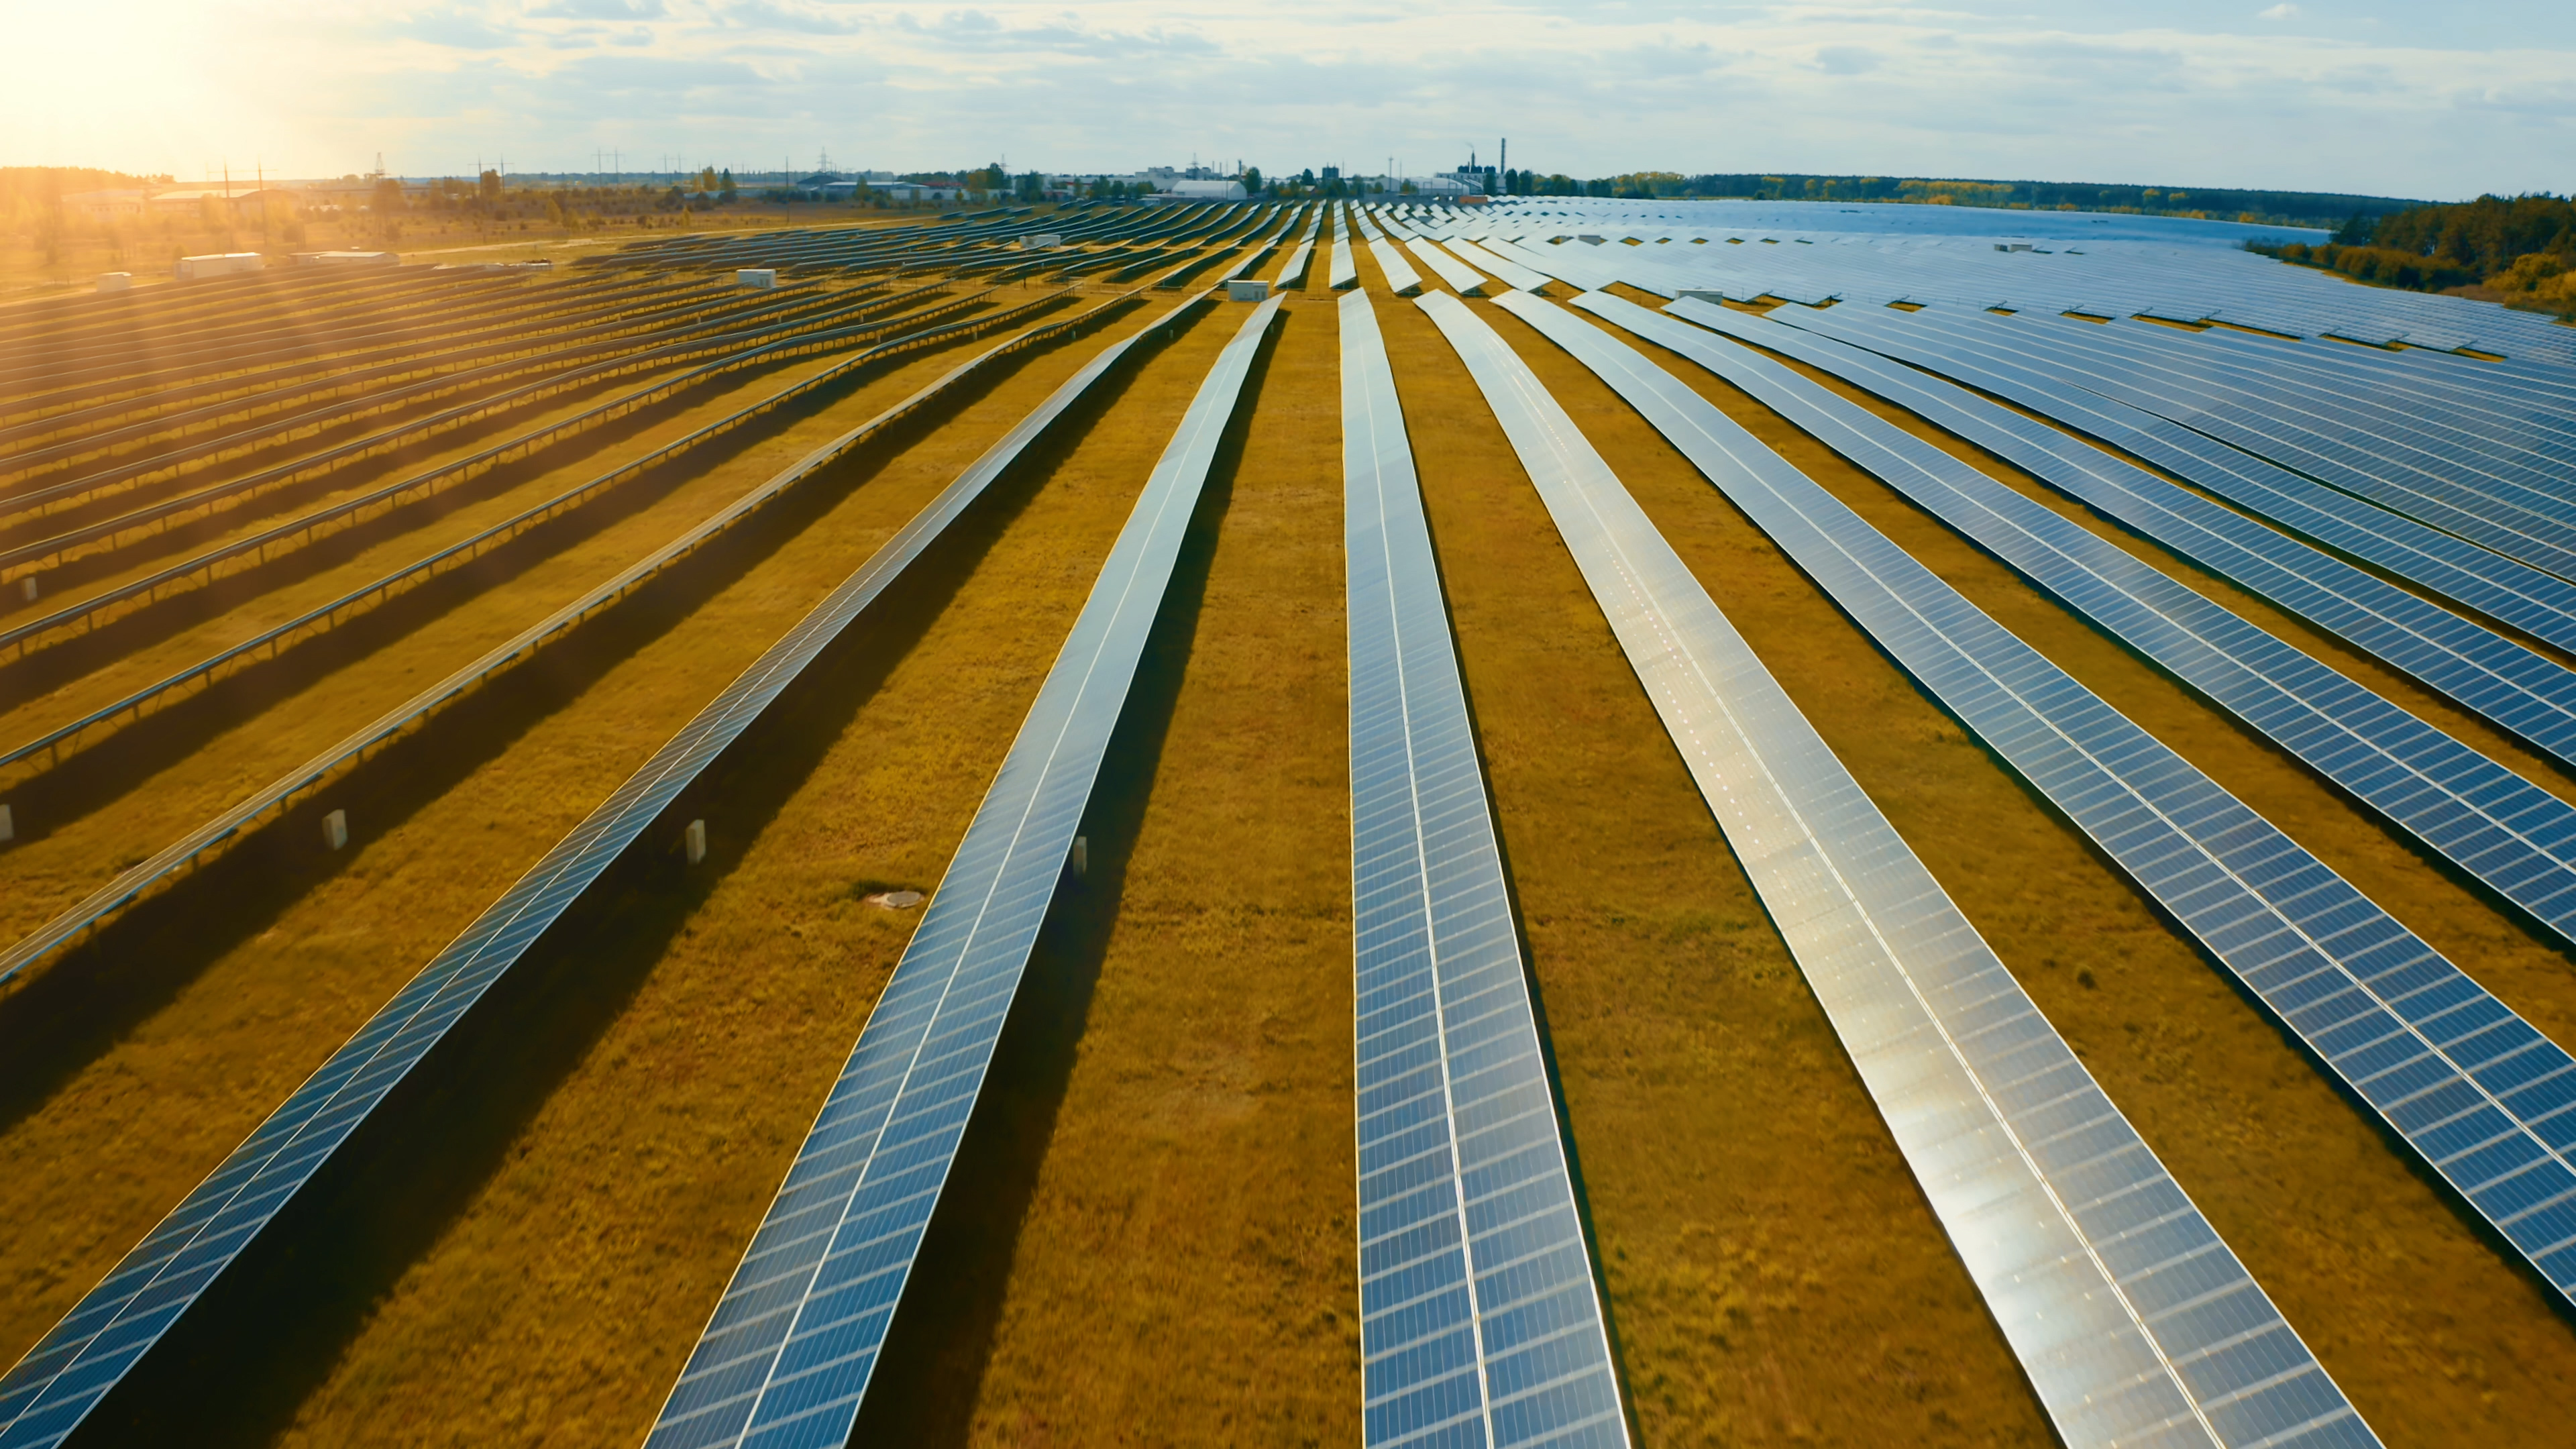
{"points": [[216, 264], [1247, 289], [762, 277], [115, 281]]}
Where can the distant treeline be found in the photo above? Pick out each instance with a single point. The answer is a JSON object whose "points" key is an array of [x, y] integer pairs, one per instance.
{"points": [[44, 186], [2292, 208], [2520, 248]]}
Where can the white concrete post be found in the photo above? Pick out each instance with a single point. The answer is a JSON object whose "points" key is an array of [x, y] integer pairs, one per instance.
{"points": [[335, 829], [1081, 858], [697, 841]]}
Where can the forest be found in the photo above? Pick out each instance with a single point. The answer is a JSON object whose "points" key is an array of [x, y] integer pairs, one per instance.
{"points": [[2518, 250]]}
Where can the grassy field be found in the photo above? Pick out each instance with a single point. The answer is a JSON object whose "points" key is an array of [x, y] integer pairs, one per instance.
{"points": [[121, 659], [679, 1109], [2433, 1334], [30, 271], [1148, 1237], [1185, 1266], [271, 723], [181, 1027]]}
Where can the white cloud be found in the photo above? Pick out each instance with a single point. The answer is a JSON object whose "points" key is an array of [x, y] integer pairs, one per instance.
{"points": [[2186, 94], [2283, 11]]}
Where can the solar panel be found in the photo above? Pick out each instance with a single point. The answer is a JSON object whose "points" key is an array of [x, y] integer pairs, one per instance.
{"points": [[2110, 274], [2517, 838], [2540, 604], [245, 814], [1479, 1318], [1510, 273], [64, 1376], [2529, 523], [2484, 1100], [1346, 268], [1294, 274], [1400, 275], [1460, 277], [787, 1357], [2510, 685], [2134, 1321]]}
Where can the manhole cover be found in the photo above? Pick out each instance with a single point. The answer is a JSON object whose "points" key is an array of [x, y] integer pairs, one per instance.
{"points": [[894, 900]]}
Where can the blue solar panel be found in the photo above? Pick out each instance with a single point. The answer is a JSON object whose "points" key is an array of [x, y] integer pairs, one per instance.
{"points": [[2395, 1023], [2133, 1321], [2515, 837], [788, 1355], [1480, 1322], [2526, 518], [64, 1376], [2512, 686], [1978, 349]]}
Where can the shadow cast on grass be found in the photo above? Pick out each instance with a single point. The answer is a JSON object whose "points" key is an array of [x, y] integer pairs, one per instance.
{"points": [[268, 1333], [195, 528], [925, 1385], [83, 1003], [126, 760]]}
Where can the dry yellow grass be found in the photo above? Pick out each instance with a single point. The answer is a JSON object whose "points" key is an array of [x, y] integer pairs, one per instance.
{"points": [[1186, 1268], [571, 1264], [1148, 1238], [92, 568], [243, 606], [269, 735], [160, 1055], [1772, 1270], [2433, 1334]]}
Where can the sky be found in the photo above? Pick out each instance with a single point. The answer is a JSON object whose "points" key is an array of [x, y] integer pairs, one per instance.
{"points": [[2390, 97]]}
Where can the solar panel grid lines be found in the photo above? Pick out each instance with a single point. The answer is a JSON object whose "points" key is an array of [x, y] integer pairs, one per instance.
{"points": [[1510, 273], [2474, 396], [2418, 414], [45, 1397], [2536, 433], [2105, 277], [2512, 686], [787, 1356], [233, 385], [1401, 278], [2536, 530], [2516, 838], [85, 613], [1479, 1315], [1258, 249], [1460, 277], [2478, 467], [163, 513], [248, 812], [1570, 263], [2505, 380], [2133, 1321], [2540, 604], [2485, 1100], [1294, 274], [1345, 272]]}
